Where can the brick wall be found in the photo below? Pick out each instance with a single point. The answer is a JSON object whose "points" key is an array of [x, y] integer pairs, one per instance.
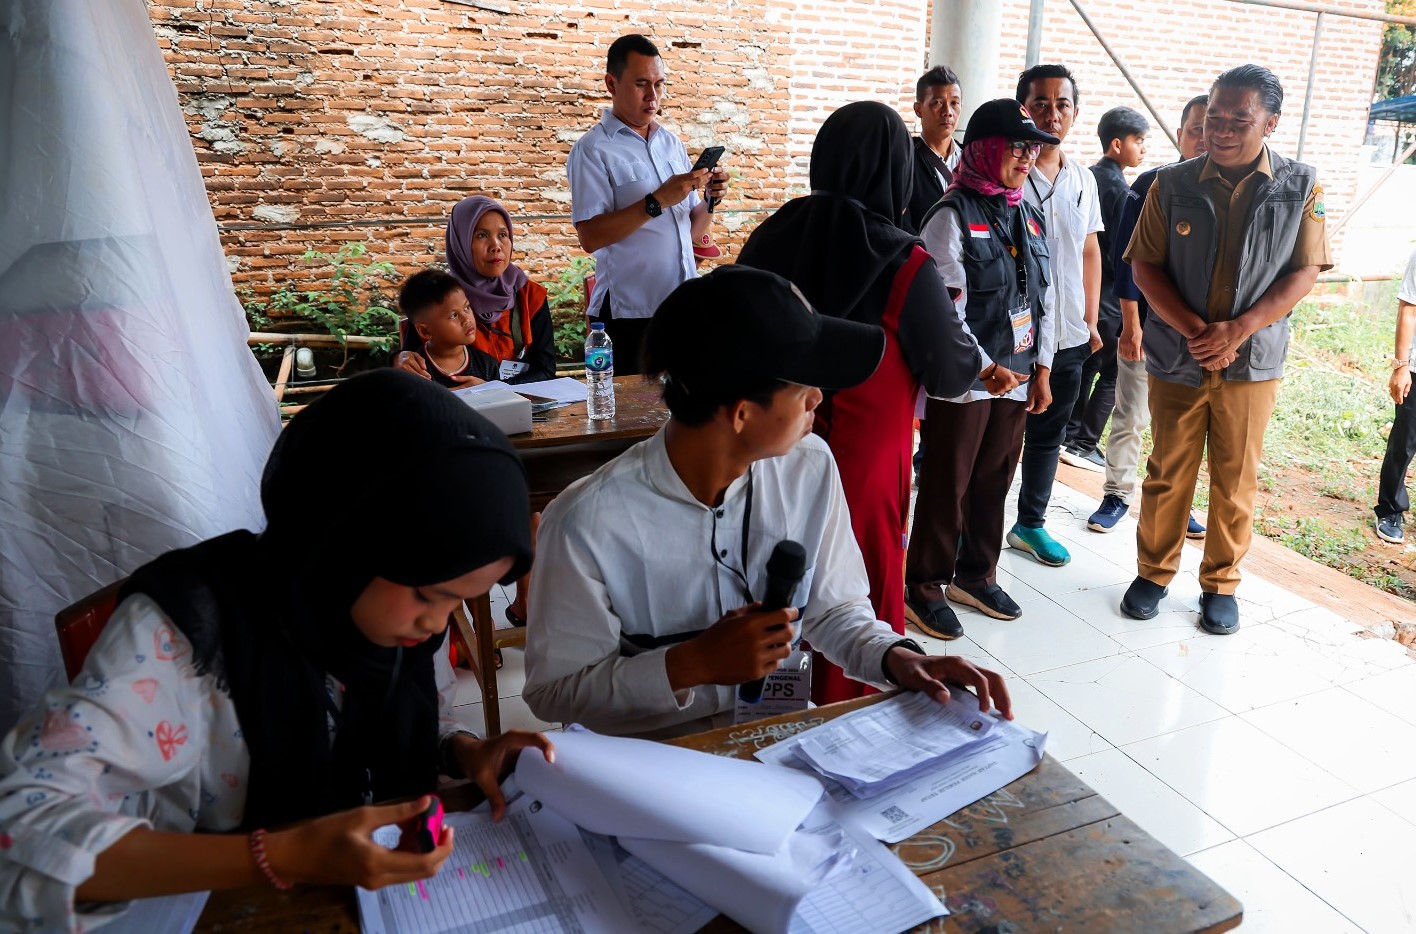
{"points": [[363, 120]]}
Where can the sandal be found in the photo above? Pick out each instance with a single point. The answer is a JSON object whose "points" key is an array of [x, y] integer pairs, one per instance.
{"points": [[512, 617]]}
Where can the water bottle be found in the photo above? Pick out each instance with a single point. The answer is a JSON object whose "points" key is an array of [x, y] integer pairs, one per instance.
{"points": [[600, 373]]}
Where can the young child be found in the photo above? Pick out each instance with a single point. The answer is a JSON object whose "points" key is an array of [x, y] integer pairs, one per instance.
{"points": [[436, 308], [283, 680]]}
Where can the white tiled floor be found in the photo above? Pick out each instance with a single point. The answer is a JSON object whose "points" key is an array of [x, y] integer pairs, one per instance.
{"points": [[1281, 760]]}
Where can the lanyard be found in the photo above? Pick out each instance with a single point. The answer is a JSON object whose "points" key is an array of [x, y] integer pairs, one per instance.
{"points": [[1019, 260], [746, 529]]}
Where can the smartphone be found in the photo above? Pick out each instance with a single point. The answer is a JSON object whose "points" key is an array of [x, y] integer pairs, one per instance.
{"points": [[422, 832], [709, 158]]}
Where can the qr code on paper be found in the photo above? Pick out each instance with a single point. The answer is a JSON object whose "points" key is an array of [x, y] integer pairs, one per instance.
{"points": [[894, 815]]}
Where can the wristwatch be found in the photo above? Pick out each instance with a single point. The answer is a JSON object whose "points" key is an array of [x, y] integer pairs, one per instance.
{"points": [[910, 644], [1399, 362], [652, 207]]}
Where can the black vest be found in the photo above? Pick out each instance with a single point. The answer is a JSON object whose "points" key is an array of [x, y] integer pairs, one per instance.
{"points": [[992, 272]]}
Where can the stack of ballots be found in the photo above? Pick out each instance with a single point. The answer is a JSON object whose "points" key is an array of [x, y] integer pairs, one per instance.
{"points": [[868, 756]]}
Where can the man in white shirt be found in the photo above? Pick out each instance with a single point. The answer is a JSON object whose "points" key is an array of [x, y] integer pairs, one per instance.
{"points": [[1065, 191], [1392, 498], [643, 613], [634, 198]]}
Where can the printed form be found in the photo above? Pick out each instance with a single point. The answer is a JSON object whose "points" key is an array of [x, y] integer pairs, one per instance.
{"points": [[929, 792]]}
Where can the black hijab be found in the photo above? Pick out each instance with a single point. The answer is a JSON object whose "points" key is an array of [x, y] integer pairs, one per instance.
{"points": [[838, 241], [269, 616]]}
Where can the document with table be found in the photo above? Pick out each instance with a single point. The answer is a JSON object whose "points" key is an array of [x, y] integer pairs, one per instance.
{"points": [[628, 835]]}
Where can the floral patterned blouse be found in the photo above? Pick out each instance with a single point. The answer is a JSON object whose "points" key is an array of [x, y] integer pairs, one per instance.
{"points": [[137, 740]]}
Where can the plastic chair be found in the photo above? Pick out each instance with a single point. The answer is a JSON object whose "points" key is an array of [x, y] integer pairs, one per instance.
{"points": [[79, 625]]}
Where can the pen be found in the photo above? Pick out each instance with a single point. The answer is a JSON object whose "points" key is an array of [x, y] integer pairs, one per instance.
{"points": [[1079, 199]]}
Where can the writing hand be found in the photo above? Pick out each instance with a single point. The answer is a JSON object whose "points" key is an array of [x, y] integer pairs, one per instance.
{"points": [[340, 849]]}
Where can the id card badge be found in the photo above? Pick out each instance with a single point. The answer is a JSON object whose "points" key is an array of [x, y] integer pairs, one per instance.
{"points": [[511, 368], [1021, 319], [786, 690]]}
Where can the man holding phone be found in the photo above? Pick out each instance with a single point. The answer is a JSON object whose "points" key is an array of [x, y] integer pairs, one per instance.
{"points": [[635, 199]]}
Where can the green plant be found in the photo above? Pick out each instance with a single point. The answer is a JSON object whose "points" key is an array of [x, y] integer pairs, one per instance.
{"points": [[355, 298], [566, 295]]}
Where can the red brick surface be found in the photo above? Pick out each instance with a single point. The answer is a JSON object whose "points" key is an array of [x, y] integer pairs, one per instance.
{"points": [[364, 120]]}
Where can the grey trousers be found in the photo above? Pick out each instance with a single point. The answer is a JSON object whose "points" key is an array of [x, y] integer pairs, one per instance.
{"points": [[1128, 420]]}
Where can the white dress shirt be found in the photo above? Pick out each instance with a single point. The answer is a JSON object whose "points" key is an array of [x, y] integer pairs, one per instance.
{"points": [[610, 168], [138, 740], [1073, 211], [625, 561], [944, 239]]}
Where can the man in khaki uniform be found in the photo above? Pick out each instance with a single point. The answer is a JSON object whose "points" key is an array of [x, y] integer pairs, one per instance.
{"points": [[1225, 246]]}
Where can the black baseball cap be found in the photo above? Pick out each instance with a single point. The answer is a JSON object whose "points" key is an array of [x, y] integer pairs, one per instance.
{"points": [[740, 326], [1007, 118]]}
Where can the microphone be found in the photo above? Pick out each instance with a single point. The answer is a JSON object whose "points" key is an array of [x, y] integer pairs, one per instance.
{"points": [[785, 569]]}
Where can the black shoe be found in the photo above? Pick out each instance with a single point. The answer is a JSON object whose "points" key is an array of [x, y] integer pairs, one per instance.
{"points": [[1219, 614], [1142, 600], [936, 619], [989, 599], [1389, 529]]}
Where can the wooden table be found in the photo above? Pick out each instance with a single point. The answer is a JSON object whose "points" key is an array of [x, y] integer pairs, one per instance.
{"points": [[557, 451], [1045, 853]]}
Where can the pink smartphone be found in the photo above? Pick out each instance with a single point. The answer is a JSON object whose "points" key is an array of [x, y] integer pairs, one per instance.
{"points": [[422, 832]]}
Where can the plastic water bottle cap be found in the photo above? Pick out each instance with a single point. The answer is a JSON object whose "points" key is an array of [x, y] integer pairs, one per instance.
{"points": [[597, 326]]}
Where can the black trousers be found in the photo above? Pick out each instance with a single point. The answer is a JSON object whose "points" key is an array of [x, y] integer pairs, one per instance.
{"points": [[1042, 438], [958, 520], [1392, 498], [627, 334], [1095, 400]]}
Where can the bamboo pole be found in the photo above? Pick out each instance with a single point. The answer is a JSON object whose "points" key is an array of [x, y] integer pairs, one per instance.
{"points": [[287, 361], [311, 340]]}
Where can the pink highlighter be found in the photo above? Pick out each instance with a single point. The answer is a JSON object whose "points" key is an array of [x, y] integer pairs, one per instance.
{"points": [[422, 832]]}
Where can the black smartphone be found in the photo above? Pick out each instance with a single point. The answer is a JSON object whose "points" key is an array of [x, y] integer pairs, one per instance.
{"points": [[709, 158]]}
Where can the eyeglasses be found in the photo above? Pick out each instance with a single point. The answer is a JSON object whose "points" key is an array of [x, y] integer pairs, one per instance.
{"points": [[1024, 149]]}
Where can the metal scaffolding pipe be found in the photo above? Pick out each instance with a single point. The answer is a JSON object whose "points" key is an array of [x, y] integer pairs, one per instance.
{"points": [[1342, 221], [1308, 91], [1126, 73], [1034, 53], [1329, 8]]}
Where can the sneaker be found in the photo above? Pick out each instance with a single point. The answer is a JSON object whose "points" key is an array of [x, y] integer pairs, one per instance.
{"points": [[1389, 529], [935, 619], [1194, 529], [1219, 613], [990, 599], [1142, 599], [1109, 514], [1039, 544], [1088, 460]]}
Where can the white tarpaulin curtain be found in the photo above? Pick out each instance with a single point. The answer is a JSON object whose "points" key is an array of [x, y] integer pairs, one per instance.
{"points": [[133, 418]]}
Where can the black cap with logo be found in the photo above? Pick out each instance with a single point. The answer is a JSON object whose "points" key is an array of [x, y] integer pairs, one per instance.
{"points": [[1005, 117], [739, 326]]}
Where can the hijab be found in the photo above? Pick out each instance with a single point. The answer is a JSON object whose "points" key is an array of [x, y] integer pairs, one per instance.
{"points": [[269, 615], [488, 296], [981, 167], [838, 241]]}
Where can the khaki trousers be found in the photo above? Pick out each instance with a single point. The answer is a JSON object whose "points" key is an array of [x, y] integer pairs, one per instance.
{"points": [[1229, 415]]}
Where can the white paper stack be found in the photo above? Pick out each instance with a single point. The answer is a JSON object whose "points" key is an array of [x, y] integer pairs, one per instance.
{"points": [[869, 755]]}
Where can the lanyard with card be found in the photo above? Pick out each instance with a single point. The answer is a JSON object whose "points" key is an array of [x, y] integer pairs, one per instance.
{"points": [[510, 369], [1020, 315]]}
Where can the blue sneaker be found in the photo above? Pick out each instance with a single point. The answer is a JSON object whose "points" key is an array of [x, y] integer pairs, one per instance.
{"points": [[1194, 529], [1039, 544], [1109, 514]]}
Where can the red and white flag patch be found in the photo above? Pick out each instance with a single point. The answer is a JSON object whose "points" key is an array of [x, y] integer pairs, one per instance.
{"points": [[980, 230]]}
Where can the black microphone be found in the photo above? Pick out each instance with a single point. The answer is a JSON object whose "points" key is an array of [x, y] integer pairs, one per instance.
{"points": [[785, 569]]}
